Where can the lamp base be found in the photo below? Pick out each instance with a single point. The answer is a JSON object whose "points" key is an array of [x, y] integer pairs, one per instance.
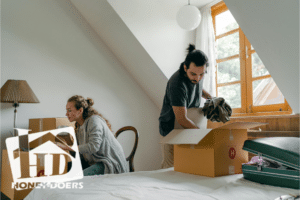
{"points": [[15, 105]]}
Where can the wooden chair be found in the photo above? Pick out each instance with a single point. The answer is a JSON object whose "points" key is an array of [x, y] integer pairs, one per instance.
{"points": [[131, 156]]}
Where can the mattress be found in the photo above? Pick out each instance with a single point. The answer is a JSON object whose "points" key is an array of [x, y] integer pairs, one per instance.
{"points": [[163, 184]]}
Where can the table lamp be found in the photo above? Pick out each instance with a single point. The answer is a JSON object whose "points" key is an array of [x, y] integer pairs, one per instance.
{"points": [[17, 91]]}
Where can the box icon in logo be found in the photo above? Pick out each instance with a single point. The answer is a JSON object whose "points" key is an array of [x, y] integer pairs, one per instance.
{"points": [[47, 154]]}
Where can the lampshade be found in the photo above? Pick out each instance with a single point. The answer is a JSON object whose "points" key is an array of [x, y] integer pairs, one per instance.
{"points": [[17, 91], [188, 17]]}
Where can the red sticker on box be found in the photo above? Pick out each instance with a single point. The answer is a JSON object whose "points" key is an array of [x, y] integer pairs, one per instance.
{"points": [[232, 153]]}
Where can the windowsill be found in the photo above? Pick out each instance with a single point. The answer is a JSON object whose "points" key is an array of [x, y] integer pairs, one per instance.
{"points": [[276, 122], [264, 116]]}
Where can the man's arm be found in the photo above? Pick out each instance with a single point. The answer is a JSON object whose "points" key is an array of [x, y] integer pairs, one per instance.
{"points": [[206, 95], [182, 119]]}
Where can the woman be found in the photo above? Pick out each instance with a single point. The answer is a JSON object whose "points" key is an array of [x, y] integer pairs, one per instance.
{"points": [[101, 152]]}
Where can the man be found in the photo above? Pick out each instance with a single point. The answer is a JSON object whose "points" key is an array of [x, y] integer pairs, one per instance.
{"points": [[184, 90]]}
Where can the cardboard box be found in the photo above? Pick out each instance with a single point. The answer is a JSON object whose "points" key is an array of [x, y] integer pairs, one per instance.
{"points": [[44, 124], [7, 178], [210, 152]]}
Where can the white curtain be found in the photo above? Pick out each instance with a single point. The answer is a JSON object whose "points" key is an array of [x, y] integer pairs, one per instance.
{"points": [[205, 41]]}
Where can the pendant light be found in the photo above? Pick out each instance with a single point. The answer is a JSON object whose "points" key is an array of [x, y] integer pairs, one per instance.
{"points": [[188, 17]]}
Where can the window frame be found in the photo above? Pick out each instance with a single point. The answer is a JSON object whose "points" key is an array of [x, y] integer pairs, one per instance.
{"points": [[246, 79]]}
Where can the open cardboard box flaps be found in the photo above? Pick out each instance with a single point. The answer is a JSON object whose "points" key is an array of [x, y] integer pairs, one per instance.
{"points": [[210, 152]]}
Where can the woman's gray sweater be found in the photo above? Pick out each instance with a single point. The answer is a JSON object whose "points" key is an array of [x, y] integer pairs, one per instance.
{"points": [[98, 144]]}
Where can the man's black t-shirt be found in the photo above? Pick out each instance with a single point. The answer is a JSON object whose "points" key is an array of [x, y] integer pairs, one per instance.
{"points": [[181, 92]]}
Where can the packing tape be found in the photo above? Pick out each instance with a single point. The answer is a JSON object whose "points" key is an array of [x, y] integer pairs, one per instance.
{"points": [[230, 135], [231, 169]]}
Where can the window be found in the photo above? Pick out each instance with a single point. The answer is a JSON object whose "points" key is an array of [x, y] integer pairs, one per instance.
{"points": [[241, 77]]}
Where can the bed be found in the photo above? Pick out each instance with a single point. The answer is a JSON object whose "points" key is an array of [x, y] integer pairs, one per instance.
{"points": [[163, 184]]}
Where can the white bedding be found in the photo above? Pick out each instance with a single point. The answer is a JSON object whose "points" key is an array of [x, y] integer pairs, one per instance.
{"points": [[163, 184]]}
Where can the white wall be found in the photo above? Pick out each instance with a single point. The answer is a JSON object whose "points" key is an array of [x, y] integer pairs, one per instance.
{"points": [[272, 27], [51, 46], [154, 25]]}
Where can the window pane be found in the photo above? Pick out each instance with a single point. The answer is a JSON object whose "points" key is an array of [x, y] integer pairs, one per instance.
{"points": [[228, 71], [225, 22], [266, 92], [258, 68], [228, 45], [231, 94]]}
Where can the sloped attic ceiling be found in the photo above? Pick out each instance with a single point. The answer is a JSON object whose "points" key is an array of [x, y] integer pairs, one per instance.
{"points": [[153, 23], [117, 36], [272, 27], [150, 44]]}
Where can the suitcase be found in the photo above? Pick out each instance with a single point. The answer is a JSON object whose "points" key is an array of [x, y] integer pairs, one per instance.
{"points": [[284, 151]]}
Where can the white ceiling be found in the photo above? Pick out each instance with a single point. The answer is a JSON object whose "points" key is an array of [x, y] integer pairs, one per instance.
{"points": [[197, 3]]}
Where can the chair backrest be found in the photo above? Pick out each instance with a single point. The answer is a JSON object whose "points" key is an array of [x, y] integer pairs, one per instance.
{"points": [[131, 156]]}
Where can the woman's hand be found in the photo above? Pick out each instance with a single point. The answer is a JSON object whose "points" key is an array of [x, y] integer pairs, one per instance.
{"points": [[63, 146]]}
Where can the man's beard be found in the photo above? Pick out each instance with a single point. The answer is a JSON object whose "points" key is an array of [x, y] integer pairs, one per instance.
{"points": [[194, 82]]}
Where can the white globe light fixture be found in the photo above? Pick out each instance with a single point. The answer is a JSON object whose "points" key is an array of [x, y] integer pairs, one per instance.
{"points": [[188, 17]]}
